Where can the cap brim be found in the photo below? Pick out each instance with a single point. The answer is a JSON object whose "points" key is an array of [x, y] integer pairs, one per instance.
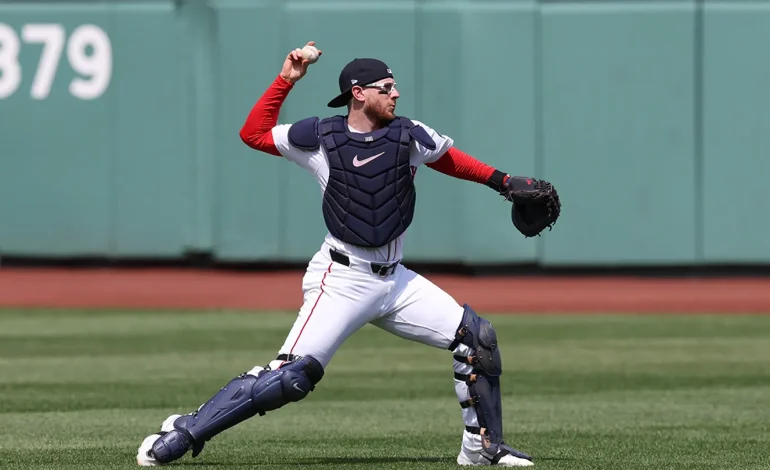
{"points": [[340, 101]]}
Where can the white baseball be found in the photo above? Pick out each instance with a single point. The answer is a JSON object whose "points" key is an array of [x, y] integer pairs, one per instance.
{"points": [[310, 53]]}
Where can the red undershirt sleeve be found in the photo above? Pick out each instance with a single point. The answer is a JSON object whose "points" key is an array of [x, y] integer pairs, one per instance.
{"points": [[256, 131], [460, 165]]}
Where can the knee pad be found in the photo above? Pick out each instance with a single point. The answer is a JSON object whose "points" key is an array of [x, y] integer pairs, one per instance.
{"points": [[289, 383], [479, 335]]}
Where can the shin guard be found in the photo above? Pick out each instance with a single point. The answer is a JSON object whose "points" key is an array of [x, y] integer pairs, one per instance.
{"points": [[242, 398], [482, 364]]}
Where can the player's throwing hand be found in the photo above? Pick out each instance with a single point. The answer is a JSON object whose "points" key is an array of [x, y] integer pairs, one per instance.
{"points": [[296, 63]]}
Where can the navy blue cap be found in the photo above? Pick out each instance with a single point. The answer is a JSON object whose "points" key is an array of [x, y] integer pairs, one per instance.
{"points": [[359, 72]]}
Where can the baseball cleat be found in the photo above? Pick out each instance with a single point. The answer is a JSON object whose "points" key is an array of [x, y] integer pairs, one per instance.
{"points": [[477, 459], [144, 456]]}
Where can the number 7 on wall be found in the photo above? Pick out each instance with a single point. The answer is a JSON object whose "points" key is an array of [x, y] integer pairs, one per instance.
{"points": [[96, 67], [52, 38]]}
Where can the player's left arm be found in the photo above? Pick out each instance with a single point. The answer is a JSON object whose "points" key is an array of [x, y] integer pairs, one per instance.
{"points": [[536, 203], [458, 164], [451, 161]]}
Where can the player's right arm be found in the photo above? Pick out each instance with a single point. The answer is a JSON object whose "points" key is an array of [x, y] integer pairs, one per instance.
{"points": [[257, 131]]}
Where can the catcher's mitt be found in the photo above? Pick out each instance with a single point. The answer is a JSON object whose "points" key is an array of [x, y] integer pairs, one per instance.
{"points": [[536, 204]]}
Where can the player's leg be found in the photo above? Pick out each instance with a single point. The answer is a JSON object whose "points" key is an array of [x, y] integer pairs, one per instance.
{"points": [[423, 312], [244, 396], [477, 370], [337, 302]]}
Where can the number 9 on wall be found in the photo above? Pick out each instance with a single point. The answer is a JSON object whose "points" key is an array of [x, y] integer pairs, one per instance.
{"points": [[88, 51]]}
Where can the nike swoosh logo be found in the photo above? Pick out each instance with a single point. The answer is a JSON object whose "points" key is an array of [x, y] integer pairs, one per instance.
{"points": [[357, 162], [297, 387]]}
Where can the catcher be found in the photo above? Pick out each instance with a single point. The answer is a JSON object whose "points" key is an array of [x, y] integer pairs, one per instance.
{"points": [[365, 163]]}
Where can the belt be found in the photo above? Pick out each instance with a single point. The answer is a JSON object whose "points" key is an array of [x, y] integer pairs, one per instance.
{"points": [[383, 270]]}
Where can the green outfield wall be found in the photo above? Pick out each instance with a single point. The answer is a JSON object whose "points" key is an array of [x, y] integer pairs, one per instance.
{"points": [[120, 124]]}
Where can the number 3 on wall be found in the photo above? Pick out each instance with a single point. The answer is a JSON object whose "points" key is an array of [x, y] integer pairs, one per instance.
{"points": [[95, 68]]}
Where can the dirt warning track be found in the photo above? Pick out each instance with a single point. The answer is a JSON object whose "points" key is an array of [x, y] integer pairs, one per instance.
{"points": [[204, 289]]}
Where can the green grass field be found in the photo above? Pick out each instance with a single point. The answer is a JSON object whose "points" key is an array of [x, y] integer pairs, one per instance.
{"points": [[81, 390]]}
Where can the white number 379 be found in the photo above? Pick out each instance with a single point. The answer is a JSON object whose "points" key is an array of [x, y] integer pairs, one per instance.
{"points": [[95, 68]]}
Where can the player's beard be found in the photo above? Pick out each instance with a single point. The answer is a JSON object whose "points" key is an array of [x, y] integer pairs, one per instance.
{"points": [[382, 112]]}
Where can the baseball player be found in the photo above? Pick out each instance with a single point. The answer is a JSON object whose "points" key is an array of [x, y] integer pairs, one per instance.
{"points": [[365, 162]]}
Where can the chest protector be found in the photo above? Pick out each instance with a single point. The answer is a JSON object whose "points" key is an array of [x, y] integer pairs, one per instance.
{"points": [[370, 196]]}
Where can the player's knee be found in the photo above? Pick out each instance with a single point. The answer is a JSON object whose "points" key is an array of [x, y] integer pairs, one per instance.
{"points": [[292, 382], [480, 336], [488, 353], [300, 377], [295, 386], [307, 366]]}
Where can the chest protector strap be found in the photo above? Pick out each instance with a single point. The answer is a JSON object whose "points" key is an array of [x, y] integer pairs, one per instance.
{"points": [[305, 134]]}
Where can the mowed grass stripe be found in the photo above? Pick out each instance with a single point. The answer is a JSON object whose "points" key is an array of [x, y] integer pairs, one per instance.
{"points": [[109, 323], [650, 356], [49, 333], [81, 390], [189, 393], [608, 412], [46, 323]]}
